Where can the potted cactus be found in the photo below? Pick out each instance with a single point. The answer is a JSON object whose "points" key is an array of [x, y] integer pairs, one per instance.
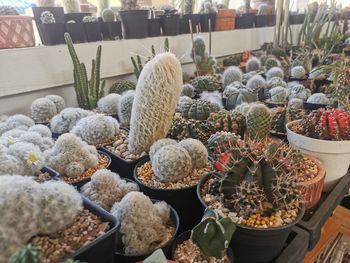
{"points": [[134, 20], [225, 19], [324, 134], [71, 6], [92, 28], [51, 29], [188, 16], [170, 21], [256, 185], [76, 31], [154, 25], [204, 62], [110, 26], [245, 19], [265, 16], [209, 240], [44, 109], [208, 12]]}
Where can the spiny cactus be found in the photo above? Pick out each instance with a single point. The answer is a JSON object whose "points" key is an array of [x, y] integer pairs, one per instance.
{"points": [[213, 235], [122, 85], [197, 109], [157, 93], [258, 121], [326, 124], [271, 63], [204, 63], [208, 7], [318, 98], [253, 64], [235, 97], [10, 242], [59, 102], [188, 90], [109, 104], [220, 141], [71, 6], [43, 110], [27, 254], [89, 19], [275, 82], [278, 95], [159, 144], [256, 83], [282, 115], [243, 108], [96, 129], [125, 108], [108, 15], [47, 17], [298, 91], [37, 139], [88, 91], [274, 72], [295, 103], [229, 122], [129, 4], [6, 10], [206, 83], [231, 74], [197, 152], [11, 165], [214, 97], [298, 72], [17, 121]]}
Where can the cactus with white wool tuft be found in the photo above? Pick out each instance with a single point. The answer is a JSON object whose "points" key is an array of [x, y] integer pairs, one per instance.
{"points": [[109, 104], [157, 93], [197, 151], [231, 74], [256, 84], [43, 110], [253, 64], [125, 107]]}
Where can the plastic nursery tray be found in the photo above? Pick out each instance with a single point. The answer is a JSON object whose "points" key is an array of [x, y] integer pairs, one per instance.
{"points": [[54, 174], [314, 221], [100, 250]]}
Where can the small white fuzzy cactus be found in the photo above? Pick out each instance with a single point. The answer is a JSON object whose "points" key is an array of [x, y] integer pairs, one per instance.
{"points": [[96, 129], [197, 151], [145, 234], [299, 91], [43, 130], [67, 118], [159, 144], [278, 94], [71, 156], [59, 102], [10, 165], [318, 98], [274, 72], [36, 139], [157, 93], [106, 188], [255, 83], [253, 64], [125, 107], [231, 74], [213, 97], [188, 90], [19, 121], [298, 72], [109, 104], [43, 110], [276, 82], [296, 103]]}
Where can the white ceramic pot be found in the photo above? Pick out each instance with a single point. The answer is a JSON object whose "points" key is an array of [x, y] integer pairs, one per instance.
{"points": [[335, 155]]}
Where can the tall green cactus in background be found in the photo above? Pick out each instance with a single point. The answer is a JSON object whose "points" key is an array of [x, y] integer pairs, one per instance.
{"points": [[88, 91]]}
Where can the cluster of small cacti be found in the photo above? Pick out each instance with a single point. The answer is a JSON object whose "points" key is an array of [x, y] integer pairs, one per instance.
{"points": [[258, 121], [206, 83], [204, 63], [326, 124], [278, 95], [125, 108], [208, 7], [47, 17], [229, 122], [318, 98], [109, 104], [230, 75], [120, 86], [6, 10], [197, 109], [89, 19], [188, 90], [280, 116], [52, 204], [43, 109], [236, 96], [145, 234], [253, 64], [17, 121], [107, 188], [70, 156], [96, 129]]}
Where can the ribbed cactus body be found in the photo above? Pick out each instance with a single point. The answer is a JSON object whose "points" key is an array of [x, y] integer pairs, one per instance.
{"points": [[282, 115], [253, 64], [197, 109], [188, 90], [318, 98], [121, 86], [197, 151], [298, 91], [298, 72], [125, 108], [157, 93], [278, 95], [258, 121], [274, 72], [235, 97], [109, 104], [204, 63], [206, 83], [231, 74], [229, 122], [42, 110], [219, 140], [270, 63]]}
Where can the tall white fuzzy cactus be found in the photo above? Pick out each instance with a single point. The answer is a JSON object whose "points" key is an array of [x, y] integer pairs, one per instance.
{"points": [[157, 93]]}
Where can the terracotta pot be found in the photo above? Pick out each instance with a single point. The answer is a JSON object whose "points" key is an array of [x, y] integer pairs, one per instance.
{"points": [[225, 20]]}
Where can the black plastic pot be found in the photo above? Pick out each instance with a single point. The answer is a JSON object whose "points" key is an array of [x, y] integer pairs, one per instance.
{"points": [[77, 17], [76, 31], [111, 30], [154, 25], [170, 24], [183, 200], [346, 202], [52, 34], [93, 31], [314, 220], [57, 12], [101, 249], [271, 104], [185, 25], [134, 23], [205, 22], [119, 257], [265, 20], [313, 106], [186, 236], [245, 21], [296, 19], [267, 244]]}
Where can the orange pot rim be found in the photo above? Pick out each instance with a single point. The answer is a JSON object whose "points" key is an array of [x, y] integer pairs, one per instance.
{"points": [[320, 175]]}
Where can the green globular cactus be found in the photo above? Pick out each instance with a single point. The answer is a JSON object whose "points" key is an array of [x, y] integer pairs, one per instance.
{"points": [[318, 98], [197, 151], [271, 63], [229, 121], [298, 91], [109, 104], [122, 85], [159, 144], [275, 82], [274, 72], [59, 102], [88, 91], [213, 234], [253, 64], [96, 129], [221, 140], [298, 72], [6, 10], [282, 115], [125, 108], [47, 17], [256, 84], [42, 110], [206, 83], [108, 15], [258, 121], [235, 97], [296, 103], [188, 90], [278, 95], [171, 163], [231, 74], [71, 6], [157, 93], [197, 109], [278, 52], [204, 63], [27, 254]]}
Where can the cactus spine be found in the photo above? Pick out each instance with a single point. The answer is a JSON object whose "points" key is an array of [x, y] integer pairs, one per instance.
{"points": [[258, 121]]}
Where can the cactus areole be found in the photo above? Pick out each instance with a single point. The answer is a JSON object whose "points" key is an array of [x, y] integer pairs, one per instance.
{"points": [[157, 93]]}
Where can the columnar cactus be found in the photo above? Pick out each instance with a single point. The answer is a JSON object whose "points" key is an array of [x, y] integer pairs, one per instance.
{"points": [[298, 72], [206, 83], [125, 107], [70, 156], [231, 74], [278, 95], [47, 17], [106, 188], [197, 109], [71, 6], [159, 144], [197, 152], [188, 90], [96, 129], [274, 72], [109, 104], [204, 63], [318, 98], [43, 110], [235, 97], [258, 121], [122, 85], [59, 102], [157, 93], [253, 64], [171, 163]]}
